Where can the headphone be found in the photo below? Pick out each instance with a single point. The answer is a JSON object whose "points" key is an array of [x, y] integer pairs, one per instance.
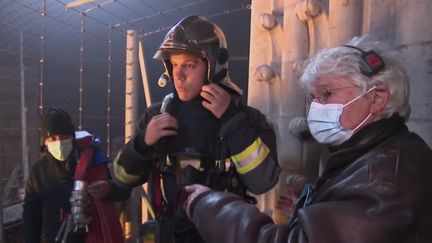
{"points": [[370, 62]]}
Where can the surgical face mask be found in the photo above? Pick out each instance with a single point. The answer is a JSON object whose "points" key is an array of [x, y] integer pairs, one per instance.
{"points": [[324, 122], [60, 149]]}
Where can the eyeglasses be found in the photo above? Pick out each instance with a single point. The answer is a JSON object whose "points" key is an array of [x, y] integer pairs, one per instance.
{"points": [[323, 95]]}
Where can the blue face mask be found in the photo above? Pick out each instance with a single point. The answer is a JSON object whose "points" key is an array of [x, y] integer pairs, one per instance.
{"points": [[324, 124]]}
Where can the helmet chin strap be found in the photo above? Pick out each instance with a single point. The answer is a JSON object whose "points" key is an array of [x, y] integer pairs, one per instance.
{"points": [[218, 77], [207, 71]]}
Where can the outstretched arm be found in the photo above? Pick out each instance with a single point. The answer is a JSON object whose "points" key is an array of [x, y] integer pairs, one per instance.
{"points": [[362, 212]]}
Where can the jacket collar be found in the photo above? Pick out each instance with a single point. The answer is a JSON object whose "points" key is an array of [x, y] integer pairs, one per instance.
{"points": [[370, 136]]}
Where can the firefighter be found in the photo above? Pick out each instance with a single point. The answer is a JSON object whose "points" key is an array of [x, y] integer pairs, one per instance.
{"points": [[58, 193], [201, 133]]}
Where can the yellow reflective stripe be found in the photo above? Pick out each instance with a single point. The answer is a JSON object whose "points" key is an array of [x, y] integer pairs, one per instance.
{"points": [[251, 157], [121, 174]]}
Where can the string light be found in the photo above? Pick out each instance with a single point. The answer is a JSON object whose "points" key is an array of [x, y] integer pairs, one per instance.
{"points": [[81, 73], [108, 111], [42, 58], [78, 3]]}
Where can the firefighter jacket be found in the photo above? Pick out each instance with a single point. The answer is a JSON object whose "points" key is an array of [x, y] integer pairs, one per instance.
{"points": [[48, 191], [376, 188], [242, 137]]}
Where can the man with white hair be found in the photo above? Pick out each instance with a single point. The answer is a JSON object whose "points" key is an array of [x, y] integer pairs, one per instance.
{"points": [[376, 185]]}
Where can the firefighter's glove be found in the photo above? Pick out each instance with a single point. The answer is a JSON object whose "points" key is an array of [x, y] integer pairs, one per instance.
{"points": [[99, 189]]}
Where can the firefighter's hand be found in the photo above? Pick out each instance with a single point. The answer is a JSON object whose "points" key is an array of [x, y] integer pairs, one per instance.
{"points": [[189, 193], [285, 204], [161, 125], [216, 99], [99, 189], [298, 127]]}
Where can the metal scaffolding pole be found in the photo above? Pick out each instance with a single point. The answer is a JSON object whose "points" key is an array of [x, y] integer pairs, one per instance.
{"points": [[131, 118], [24, 145]]}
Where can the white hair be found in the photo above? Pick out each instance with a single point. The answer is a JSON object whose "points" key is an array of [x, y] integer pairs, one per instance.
{"points": [[344, 61]]}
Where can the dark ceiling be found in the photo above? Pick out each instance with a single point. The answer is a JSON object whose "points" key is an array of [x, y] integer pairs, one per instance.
{"points": [[75, 58], [62, 26]]}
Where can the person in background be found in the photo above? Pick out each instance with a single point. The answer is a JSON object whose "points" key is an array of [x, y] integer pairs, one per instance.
{"points": [[376, 185], [201, 133], [53, 187]]}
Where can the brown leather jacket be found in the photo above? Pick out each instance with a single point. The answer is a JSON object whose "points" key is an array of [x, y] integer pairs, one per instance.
{"points": [[376, 188]]}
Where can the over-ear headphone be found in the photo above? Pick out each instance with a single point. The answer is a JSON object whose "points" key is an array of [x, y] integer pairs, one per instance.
{"points": [[370, 62]]}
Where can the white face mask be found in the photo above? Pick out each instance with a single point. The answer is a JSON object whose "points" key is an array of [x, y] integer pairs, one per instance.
{"points": [[60, 149], [324, 124]]}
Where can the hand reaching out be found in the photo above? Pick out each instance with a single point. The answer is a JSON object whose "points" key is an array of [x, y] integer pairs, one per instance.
{"points": [[99, 189], [285, 204]]}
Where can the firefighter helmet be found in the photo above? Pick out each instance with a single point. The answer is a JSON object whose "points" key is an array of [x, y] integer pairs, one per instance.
{"points": [[195, 34]]}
